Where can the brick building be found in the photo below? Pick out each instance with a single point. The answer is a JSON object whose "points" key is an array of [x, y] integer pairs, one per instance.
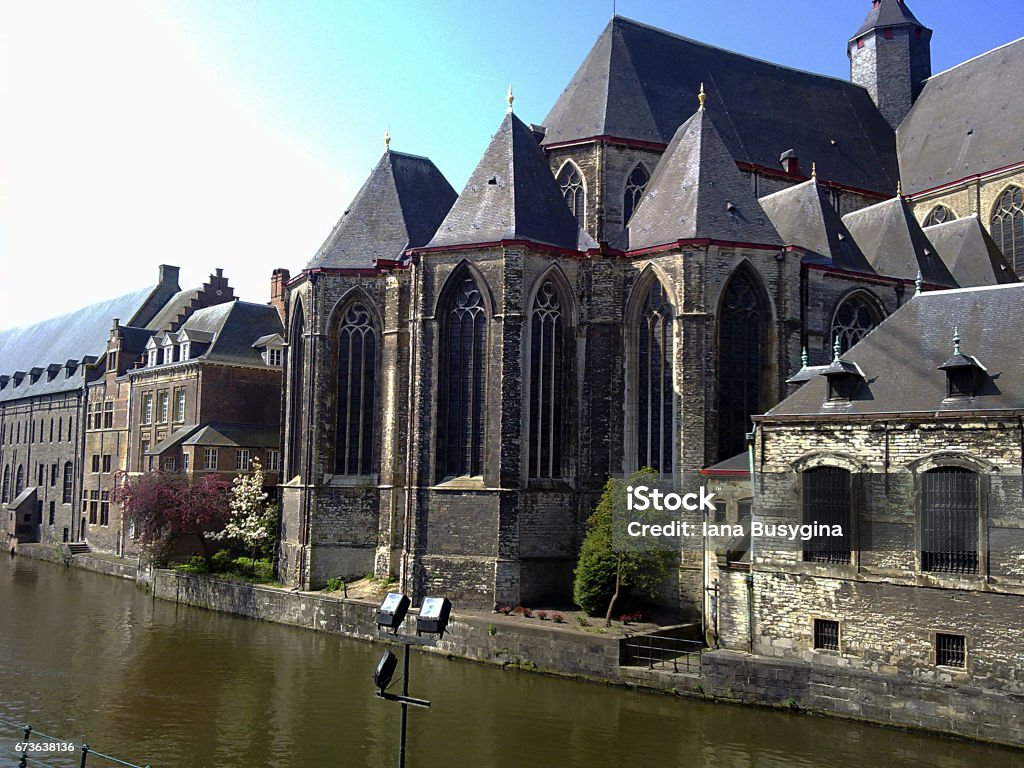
{"points": [[912, 442], [623, 286]]}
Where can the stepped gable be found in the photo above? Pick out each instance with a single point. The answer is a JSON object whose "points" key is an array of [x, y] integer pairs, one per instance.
{"points": [[398, 207], [635, 84], [970, 253], [512, 195], [894, 243], [804, 217], [697, 193]]}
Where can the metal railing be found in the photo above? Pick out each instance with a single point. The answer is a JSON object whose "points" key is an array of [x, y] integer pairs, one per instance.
{"points": [[30, 747], [668, 654]]}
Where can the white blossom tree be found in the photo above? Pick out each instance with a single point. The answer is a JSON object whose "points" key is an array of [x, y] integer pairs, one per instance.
{"points": [[252, 517]]}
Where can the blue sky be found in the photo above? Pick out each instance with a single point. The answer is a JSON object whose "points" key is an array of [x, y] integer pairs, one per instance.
{"points": [[217, 133]]}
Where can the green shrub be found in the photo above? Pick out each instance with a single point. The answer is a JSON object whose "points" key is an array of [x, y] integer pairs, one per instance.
{"points": [[195, 564], [334, 584], [223, 561]]}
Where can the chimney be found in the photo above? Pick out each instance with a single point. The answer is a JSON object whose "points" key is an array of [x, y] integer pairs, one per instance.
{"points": [[169, 275], [278, 282], [790, 162]]}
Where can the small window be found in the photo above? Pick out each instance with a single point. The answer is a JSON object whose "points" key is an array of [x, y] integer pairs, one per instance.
{"points": [[887, 34], [147, 408], [184, 462], [274, 357], [163, 403], [826, 635], [242, 460], [209, 458], [179, 404], [108, 415], [53, 511], [273, 460], [69, 482], [169, 464], [186, 350], [950, 650], [95, 462], [104, 507], [106, 462], [94, 506], [54, 469], [940, 214], [143, 458]]}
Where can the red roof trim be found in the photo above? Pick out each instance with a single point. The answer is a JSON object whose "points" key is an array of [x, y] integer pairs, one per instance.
{"points": [[701, 242], [973, 177], [725, 472], [500, 244]]}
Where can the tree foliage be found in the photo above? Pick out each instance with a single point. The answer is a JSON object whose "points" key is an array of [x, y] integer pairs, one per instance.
{"points": [[602, 573], [253, 519], [164, 507]]}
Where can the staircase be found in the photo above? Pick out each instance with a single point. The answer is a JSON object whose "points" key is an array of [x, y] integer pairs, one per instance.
{"points": [[78, 548]]}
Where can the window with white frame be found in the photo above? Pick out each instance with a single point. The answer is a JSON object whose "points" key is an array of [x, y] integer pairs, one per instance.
{"points": [[163, 402], [274, 356], [210, 458], [273, 460], [242, 460], [147, 408], [179, 404]]}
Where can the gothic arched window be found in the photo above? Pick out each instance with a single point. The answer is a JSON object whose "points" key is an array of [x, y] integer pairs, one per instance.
{"points": [[461, 426], [547, 383], [636, 183], [949, 520], [1008, 226], [19, 481], [6, 489], [940, 214], [742, 346], [297, 343], [826, 500], [654, 382], [357, 379], [854, 319], [570, 181]]}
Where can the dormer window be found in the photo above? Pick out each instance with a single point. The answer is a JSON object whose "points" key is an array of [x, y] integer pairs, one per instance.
{"points": [[964, 374], [274, 356], [185, 350], [845, 378], [153, 355]]}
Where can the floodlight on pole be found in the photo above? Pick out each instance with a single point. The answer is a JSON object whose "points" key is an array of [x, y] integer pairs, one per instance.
{"points": [[392, 611], [433, 616]]}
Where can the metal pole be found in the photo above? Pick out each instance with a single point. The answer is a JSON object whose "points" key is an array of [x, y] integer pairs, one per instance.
{"points": [[405, 707]]}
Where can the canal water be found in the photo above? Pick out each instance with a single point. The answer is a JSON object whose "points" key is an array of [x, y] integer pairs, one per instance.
{"points": [[86, 656]]}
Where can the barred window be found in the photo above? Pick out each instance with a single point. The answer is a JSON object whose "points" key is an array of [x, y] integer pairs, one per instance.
{"points": [[636, 183], [654, 382], [826, 500], [826, 635], [940, 214], [950, 650], [69, 482], [854, 319], [296, 373], [547, 383], [571, 183], [949, 520], [742, 358], [357, 377], [461, 421], [1008, 226]]}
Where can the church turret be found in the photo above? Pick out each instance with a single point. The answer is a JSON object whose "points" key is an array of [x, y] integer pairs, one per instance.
{"points": [[890, 55]]}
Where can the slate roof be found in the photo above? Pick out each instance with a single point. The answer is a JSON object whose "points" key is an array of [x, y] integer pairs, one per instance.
{"points": [[887, 13], [970, 253], [894, 243], [966, 121], [240, 435], [734, 465], [804, 217], [398, 207], [512, 195], [639, 83], [901, 357], [232, 328], [696, 192]]}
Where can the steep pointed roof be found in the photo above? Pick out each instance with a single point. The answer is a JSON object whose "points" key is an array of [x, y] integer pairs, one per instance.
{"points": [[894, 243], [512, 195], [804, 217], [399, 207], [970, 253], [887, 13], [697, 193], [636, 84]]}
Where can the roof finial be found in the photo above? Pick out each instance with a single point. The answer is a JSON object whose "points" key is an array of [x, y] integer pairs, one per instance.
{"points": [[837, 348], [918, 283], [956, 341], [701, 97], [387, 139], [814, 170], [510, 98], [803, 358], [899, 188]]}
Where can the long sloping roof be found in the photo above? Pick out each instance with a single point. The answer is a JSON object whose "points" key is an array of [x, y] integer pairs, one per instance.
{"points": [[398, 207], [887, 13], [512, 195], [894, 243], [967, 120], [970, 253], [805, 218], [639, 82], [901, 357], [696, 192]]}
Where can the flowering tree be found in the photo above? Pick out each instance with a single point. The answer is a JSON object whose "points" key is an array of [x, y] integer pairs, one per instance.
{"points": [[252, 518], [166, 506]]}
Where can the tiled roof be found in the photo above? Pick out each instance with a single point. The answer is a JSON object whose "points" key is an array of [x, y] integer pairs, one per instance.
{"points": [[512, 195], [639, 83], [970, 253], [894, 243], [804, 217], [887, 13], [966, 121], [901, 357], [398, 207], [696, 192]]}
